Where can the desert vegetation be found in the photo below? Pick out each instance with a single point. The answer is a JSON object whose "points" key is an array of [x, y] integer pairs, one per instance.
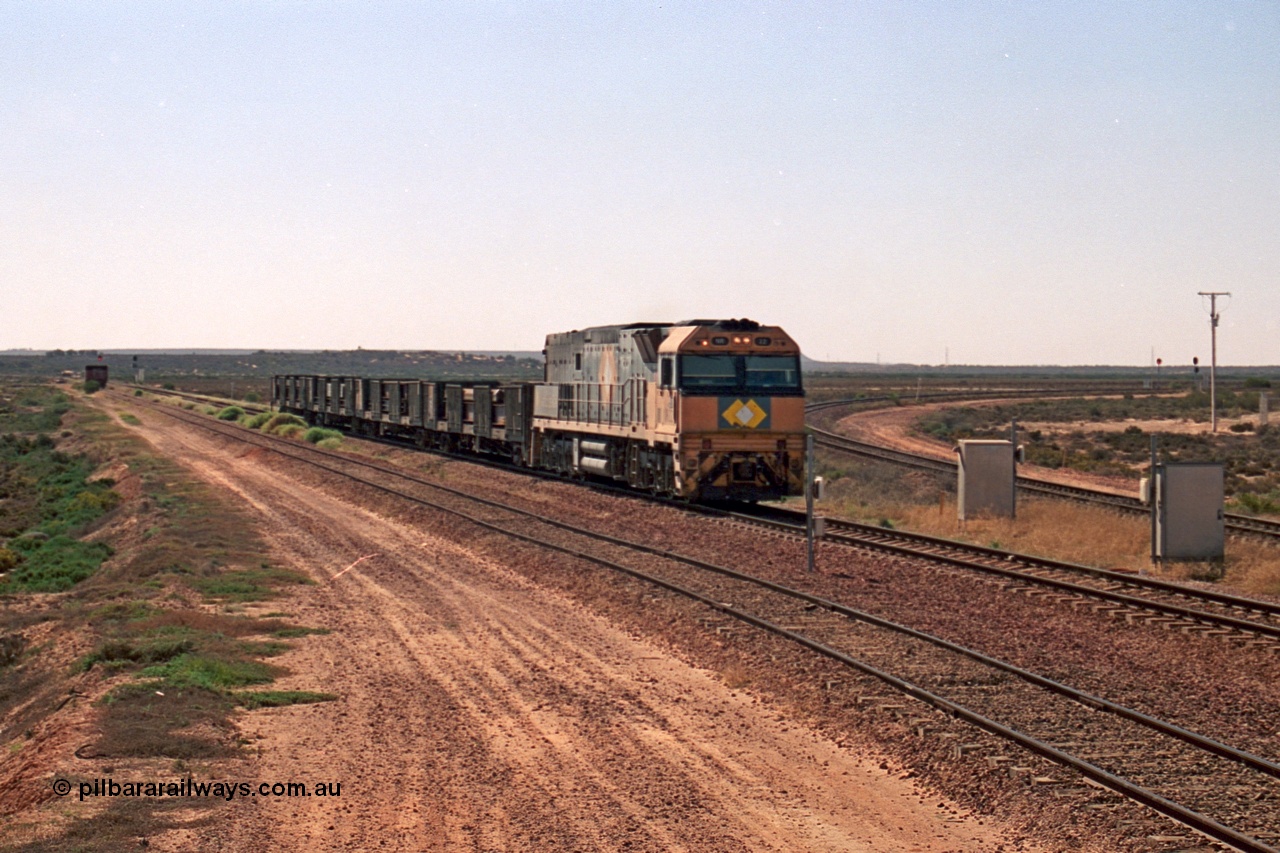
{"points": [[896, 497], [151, 575], [1060, 434], [48, 500]]}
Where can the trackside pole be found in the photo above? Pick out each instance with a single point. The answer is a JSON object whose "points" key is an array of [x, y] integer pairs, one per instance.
{"points": [[1013, 469], [808, 495], [1152, 497]]}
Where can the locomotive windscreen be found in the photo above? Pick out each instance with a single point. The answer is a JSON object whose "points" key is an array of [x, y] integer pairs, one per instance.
{"points": [[740, 374], [772, 371], [708, 371]]}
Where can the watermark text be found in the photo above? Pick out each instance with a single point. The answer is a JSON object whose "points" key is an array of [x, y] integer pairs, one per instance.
{"points": [[188, 787]]}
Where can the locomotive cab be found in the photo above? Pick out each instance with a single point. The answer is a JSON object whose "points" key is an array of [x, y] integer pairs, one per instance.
{"points": [[738, 406]]}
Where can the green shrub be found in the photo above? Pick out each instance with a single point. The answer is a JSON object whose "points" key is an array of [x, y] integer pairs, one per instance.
{"points": [[1243, 426], [256, 421], [93, 503], [8, 559], [137, 392], [92, 386], [276, 422], [1251, 502], [231, 413], [315, 435], [168, 386], [118, 652], [252, 699], [248, 584], [330, 443], [252, 397], [57, 565], [191, 670], [291, 430]]}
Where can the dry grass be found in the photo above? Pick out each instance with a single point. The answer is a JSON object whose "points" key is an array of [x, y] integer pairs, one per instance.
{"points": [[877, 493], [736, 676], [1081, 534]]}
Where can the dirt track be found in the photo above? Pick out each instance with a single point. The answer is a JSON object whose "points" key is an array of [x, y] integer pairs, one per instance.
{"points": [[481, 711], [892, 428]]}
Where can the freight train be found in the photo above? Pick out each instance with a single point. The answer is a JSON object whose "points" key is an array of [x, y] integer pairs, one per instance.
{"points": [[701, 410]]}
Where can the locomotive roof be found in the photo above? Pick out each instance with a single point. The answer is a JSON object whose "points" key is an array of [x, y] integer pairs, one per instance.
{"points": [[742, 325]]}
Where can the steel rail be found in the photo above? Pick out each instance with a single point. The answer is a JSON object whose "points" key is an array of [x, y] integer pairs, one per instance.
{"points": [[988, 553], [1190, 818], [835, 441], [880, 535], [1235, 522], [825, 438], [1225, 599], [908, 395], [925, 541]]}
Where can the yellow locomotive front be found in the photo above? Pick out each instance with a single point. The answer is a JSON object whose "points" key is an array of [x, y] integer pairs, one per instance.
{"points": [[703, 409], [738, 406]]}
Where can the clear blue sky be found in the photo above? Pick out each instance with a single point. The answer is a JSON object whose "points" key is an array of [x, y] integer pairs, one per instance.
{"points": [[1015, 182]]}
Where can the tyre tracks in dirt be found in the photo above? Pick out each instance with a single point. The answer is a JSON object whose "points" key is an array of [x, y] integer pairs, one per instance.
{"points": [[482, 711]]}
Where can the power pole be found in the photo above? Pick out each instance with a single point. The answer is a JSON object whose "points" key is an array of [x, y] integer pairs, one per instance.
{"points": [[1213, 354]]}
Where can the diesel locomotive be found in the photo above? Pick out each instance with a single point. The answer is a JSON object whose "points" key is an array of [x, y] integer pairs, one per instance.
{"points": [[700, 410]]}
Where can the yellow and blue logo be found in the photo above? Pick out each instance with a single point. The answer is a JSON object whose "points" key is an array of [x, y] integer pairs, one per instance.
{"points": [[739, 414]]}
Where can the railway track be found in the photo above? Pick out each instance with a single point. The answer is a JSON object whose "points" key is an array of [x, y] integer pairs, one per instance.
{"points": [[971, 394], [1192, 779], [204, 399], [1123, 594], [1235, 523]]}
